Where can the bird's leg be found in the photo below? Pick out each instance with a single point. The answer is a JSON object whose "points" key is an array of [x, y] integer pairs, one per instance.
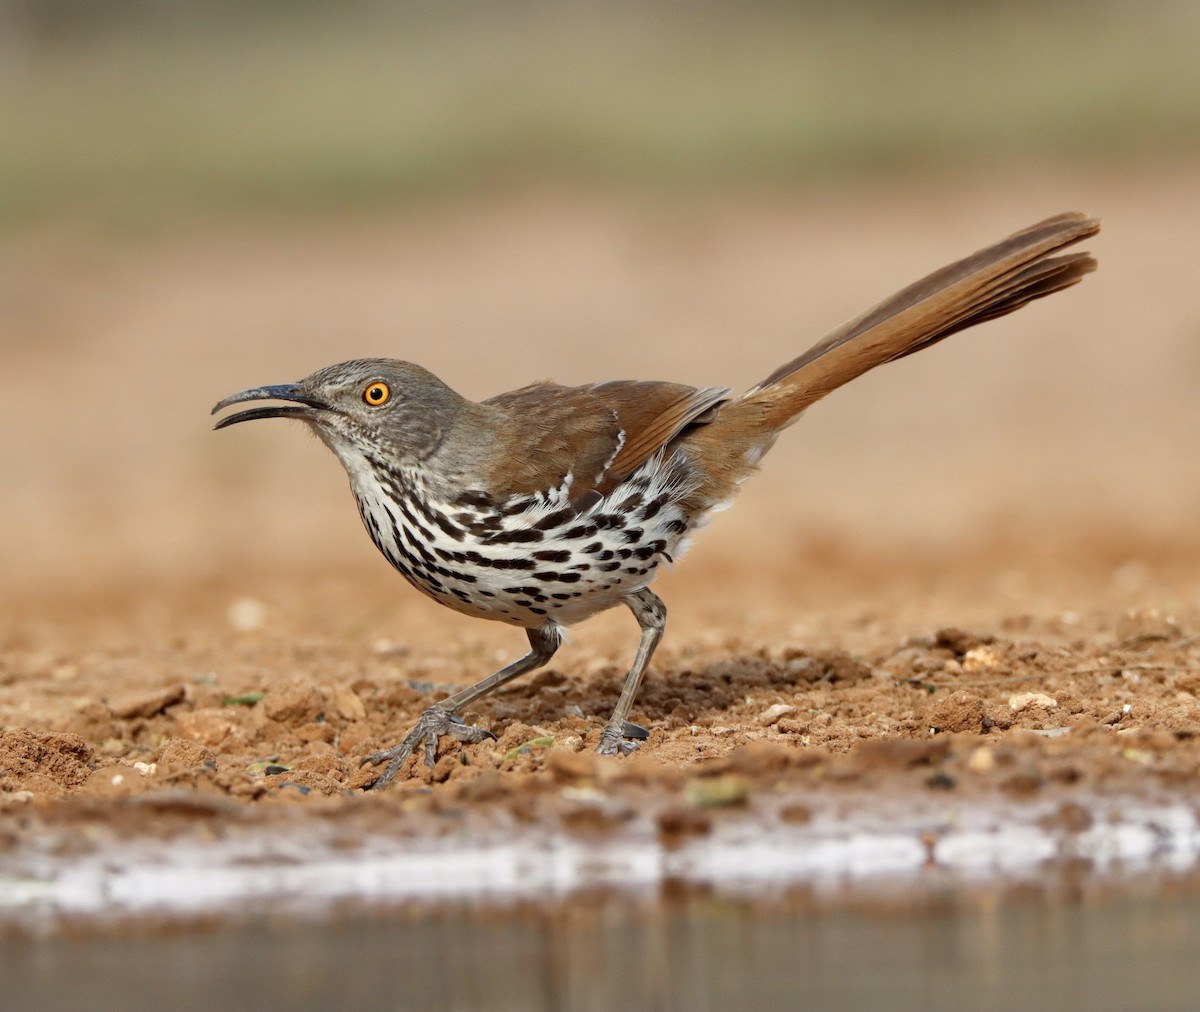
{"points": [[441, 718], [651, 614]]}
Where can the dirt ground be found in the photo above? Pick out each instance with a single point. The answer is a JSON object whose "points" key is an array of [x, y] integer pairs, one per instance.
{"points": [[973, 574]]}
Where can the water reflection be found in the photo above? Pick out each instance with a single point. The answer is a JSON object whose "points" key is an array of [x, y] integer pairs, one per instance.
{"points": [[606, 952]]}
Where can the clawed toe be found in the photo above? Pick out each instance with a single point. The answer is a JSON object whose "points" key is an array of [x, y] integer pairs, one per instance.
{"points": [[468, 734], [434, 723], [635, 731]]}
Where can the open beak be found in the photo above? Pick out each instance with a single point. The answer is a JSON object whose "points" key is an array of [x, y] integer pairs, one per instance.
{"points": [[302, 406]]}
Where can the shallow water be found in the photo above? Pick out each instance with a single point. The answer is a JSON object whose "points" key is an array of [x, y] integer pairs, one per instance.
{"points": [[609, 952]]}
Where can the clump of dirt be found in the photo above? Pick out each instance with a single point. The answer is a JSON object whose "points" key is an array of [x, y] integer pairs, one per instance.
{"points": [[39, 763]]}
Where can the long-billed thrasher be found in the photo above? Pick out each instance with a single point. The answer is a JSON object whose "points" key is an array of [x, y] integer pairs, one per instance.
{"points": [[543, 506]]}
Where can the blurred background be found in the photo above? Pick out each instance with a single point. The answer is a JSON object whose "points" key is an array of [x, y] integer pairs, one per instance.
{"points": [[200, 197]]}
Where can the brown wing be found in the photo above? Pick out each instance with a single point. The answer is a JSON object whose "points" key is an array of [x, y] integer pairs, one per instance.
{"points": [[600, 434]]}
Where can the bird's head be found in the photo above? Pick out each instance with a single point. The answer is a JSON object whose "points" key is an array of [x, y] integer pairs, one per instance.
{"points": [[366, 406]]}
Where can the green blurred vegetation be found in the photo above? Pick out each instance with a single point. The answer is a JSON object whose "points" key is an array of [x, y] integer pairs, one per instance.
{"points": [[140, 106]]}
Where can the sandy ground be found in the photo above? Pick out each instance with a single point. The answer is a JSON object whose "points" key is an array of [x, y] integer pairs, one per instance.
{"points": [[971, 575]]}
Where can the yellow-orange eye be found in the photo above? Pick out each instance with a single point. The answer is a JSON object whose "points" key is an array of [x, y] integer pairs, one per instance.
{"points": [[377, 394]]}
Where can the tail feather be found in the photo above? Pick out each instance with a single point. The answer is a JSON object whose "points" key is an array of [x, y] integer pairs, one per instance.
{"points": [[993, 282]]}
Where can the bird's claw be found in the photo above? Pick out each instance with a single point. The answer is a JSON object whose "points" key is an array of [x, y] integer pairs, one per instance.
{"points": [[434, 723]]}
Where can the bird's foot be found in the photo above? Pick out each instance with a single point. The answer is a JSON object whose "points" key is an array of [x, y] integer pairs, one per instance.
{"points": [[434, 723], [621, 739]]}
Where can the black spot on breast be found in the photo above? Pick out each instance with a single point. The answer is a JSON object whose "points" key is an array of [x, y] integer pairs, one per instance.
{"points": [[646, 551], [411, 517], [512, 563], [475, 498], [654, 506], [593, 548], [525, 535], [449, 529], [552, 555], [514, 507], [631, 503], [555, 519], [677, 526], [549, 576], [580, 531], [632, 535], [608, 521]]}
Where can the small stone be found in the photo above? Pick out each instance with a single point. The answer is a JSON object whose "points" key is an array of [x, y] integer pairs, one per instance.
{"points": [[980, 659], [772, 714], [349, 704], [982, 760], [208, 727], [292, 703], [958, 712], [147, 704], [183, 752], [247, 614], [1025, 700]]}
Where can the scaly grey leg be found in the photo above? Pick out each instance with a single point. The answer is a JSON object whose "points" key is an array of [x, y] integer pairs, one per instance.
{"points": [[440, 718], [651, 614]]}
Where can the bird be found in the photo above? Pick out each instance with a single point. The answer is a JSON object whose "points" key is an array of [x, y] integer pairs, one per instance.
{"points": [[545, 505]]}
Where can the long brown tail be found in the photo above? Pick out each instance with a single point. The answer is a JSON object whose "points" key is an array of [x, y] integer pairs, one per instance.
{"points": [[990, 283]]}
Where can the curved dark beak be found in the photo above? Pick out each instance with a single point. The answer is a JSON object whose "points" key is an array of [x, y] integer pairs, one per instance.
{"points": [[302, 406]]}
